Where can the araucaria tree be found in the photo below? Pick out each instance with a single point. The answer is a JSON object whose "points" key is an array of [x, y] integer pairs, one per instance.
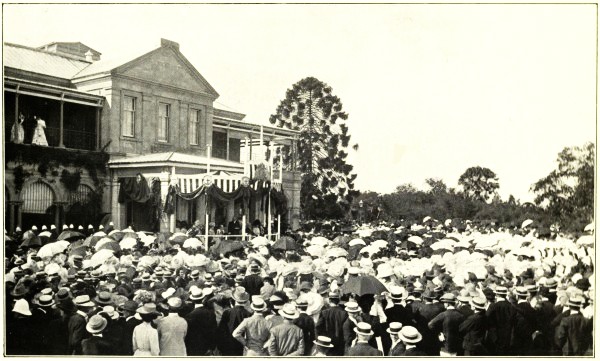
{"points": [[479, 183], [311, 108]]}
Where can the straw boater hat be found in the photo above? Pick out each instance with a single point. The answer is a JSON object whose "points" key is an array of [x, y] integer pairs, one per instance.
{"points": [[174, 303], [104, 298], [45, 301], [199, 294], [501, 291], [363, 328], [575, 301], [83, 301], [110, 311], [258, 304], [323, 341], [352, 307], [394, 328], [240, 295], [478, 303], [289, 312], [448, 298], [147, 308], [397, 293], [96, 324], [522, 292], [410, 335]]}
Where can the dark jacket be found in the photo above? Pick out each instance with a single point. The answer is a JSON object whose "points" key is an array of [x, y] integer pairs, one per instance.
{"points": [[307, 325], [397, 350], [473, 330], [399, 313], [525, 325], [330, 324], [253, 283], [77, 333], [501, 321], [18, 334], [201, 334], [363, 349], [97, 346], [426, 313], [574, 334], [230, 320], [415, 351], [448, 323], [127, 341]]}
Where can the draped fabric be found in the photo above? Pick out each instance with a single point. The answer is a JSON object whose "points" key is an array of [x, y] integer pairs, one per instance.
{"points": [[133, 190], [214, 193]]}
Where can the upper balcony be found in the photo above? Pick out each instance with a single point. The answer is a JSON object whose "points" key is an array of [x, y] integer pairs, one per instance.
{"points": [[72, 118]]}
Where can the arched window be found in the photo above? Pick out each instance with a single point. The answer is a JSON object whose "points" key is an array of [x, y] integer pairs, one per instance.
{"points": [[37, 198], [81, 195]]}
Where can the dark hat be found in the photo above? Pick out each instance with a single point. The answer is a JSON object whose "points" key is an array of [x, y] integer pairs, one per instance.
{"points": [[63, 294], [583, 284], [19, 291], [334, 295], [129, 305], [428, 295], [489, 293], [67, 306]]}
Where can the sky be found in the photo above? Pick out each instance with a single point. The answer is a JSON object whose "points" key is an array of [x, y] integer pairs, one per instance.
{"points": [[430, 89]]}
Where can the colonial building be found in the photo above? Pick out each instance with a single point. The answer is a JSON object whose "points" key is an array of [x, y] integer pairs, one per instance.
{"points": [[140, 137]]}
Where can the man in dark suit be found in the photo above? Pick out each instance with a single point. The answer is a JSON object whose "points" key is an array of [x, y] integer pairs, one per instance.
{"points": [[501, 321], [425, 314], [399, 313], [397, 348], [129, 322], [331, 322], [411, 337], [473, 329], [253, 282], [230, 320], [96, 344], [463, 305], [447, 323], [42, 316], [78, 322], [362, 348], [574, 333], [201, 336], [306, 324], [525, 324]]}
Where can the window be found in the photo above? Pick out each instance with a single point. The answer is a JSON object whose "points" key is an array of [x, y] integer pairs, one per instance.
{"points": [[128, 126], [195, 117], [164, 112]]}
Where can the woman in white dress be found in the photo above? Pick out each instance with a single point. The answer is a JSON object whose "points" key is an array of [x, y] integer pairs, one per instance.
{"points": [[17, 133], [39, 136], [145, 337]]}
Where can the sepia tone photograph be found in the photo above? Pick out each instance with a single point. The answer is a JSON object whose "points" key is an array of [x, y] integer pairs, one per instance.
{"points": [[323, 180]]}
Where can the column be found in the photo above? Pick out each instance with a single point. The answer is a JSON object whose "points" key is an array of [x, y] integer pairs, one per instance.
{"points": [[18, 213], [58, 207], [98, 110], [172, 216], [164, 190], [227, 145], [115, 205], [16, 106], [11, 208], [61, 127]]}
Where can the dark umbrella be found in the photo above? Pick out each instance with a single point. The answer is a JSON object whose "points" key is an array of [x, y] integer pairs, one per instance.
{"points": [[226, 246], [342, 240], [116, 235], [113, 246], [363, 285], [285, 243], [79, 250], [31, 241], [92, 240], [179, 239], [67, 235]]}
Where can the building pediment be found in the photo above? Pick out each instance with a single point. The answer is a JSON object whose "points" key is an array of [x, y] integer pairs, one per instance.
{"points": [[166, 66]]}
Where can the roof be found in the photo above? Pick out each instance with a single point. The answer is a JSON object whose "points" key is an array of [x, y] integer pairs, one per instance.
{"points": [[174, 158], [107, 65], [71, 44], [41, 61]]}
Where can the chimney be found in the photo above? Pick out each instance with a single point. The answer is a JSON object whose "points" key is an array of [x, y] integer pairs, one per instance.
{"points": [[169, 44], [89, 56]]}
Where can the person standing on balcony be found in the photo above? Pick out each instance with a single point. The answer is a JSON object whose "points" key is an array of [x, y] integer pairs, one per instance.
{"points": [[17, 133], [39, 136]]}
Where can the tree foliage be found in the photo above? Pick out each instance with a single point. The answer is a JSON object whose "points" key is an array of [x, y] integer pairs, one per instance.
{"points": [[479, 183], [311, 108], [567, 193]]}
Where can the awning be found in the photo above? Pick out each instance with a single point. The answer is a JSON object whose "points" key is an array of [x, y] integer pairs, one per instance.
{"points": [[54, 92], [170, 159]]}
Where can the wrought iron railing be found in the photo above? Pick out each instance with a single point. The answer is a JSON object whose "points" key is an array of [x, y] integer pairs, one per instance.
{"points": [[75, 139]]}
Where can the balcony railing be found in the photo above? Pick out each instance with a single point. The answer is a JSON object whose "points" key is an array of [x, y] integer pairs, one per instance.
{"points": [[75, 139]]}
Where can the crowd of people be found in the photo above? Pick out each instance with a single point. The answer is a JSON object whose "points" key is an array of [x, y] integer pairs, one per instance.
{"points": [[450, 288]]}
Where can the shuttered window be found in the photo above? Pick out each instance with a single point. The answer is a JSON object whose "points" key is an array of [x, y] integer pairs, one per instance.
{"points": [[81, 196], [37, 198]]}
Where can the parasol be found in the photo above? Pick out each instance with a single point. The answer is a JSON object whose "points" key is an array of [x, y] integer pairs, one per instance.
{"points": [[380, 243], [336, 252], [178, 238], [320, 241], [147, 240], [46, 234], [356, 242], [363, 285], [113, 246], [30, 240], [285, 243], [586, 240], [49, 250], [79, 250], [259, 241], [99, 257], [416, 240], [68, 234], [193, 243], [226, 246], [128, 243], [315, 250], [116, 235]]}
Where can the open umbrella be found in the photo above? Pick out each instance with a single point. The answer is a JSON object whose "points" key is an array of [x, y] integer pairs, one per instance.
{"points": [[259, 241], [321, 241], [100, 234], [45, 234], [79, 250], [258, 258], [113, 246], [226, 246], [336, 252], [68, 234], [342, 240], [178, 238], [148, 240], [586, 240], [356, 242], [31, 240], [285, 243], [49, 250], [315, 250], [380, 243], [416, 240], [102, 242], [116, 235], [363, 285], [128, 243], [99, 257], [192, 243]]}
